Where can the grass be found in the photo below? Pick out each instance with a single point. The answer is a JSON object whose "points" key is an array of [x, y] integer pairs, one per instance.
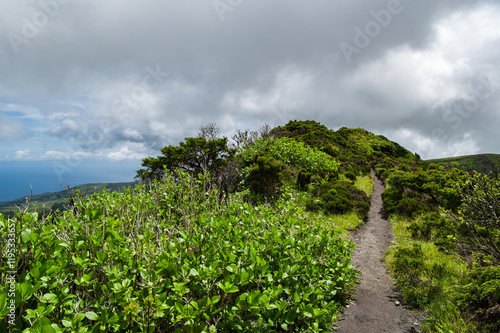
{"points": [[365, 184], [428, 278], [346, 222]]}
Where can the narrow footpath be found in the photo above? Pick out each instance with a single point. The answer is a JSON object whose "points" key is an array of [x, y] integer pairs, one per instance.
{"points": [[376, 306]]}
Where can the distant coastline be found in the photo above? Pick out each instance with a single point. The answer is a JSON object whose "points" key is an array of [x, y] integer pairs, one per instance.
{"points": [[18, 177]]}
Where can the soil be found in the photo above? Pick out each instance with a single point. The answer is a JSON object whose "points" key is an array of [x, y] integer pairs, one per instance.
{"points": [[377, 306]]}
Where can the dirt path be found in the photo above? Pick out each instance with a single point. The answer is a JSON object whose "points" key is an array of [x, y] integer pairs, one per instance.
{"points": [[376, 307]]}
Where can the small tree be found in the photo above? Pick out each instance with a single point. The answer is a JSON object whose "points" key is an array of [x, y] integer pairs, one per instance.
{"points": [[194, 155], [265, 177], [477, 224]]}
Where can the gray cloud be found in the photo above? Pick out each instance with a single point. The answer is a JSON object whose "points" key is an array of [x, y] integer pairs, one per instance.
{"points": [[89, 69]]}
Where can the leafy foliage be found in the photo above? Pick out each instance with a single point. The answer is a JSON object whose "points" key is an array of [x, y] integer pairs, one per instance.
{"points": [[355, 148], [173, 257], [480, 296], [477, 225], [470, 229], [265, 177], [293, 153], [194, 155], [339, 198], [410, 193]]}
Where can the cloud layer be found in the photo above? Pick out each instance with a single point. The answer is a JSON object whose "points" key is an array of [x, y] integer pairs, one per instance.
{"points": [[121, 79]]}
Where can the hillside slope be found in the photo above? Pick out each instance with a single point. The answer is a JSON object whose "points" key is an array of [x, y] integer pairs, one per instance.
{"points": [[483, 163], [51, 199], [355, 148], [255, 239]]}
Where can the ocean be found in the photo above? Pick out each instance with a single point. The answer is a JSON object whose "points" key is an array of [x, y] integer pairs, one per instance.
{"points": [[50, 176]]}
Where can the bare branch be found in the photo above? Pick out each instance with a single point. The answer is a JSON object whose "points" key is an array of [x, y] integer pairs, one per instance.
{"points": [[210, 131]]}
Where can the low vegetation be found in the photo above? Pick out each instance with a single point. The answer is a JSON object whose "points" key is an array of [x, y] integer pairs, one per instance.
{"points": [[445, 256], [483, 163], [252, 235], [46, 203], [172, 257]]}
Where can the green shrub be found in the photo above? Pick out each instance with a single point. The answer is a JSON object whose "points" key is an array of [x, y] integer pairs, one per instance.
{"points": [[480, 298], [265, 177], [410, 207], [293, 153], [303, 180], [340, 198], [415, 276], [173, 258], [351, 175]]}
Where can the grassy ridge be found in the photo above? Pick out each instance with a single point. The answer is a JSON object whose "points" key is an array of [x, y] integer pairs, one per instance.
{"points": [[483, 163]]}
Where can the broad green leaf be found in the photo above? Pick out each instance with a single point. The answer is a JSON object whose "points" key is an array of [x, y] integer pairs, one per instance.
{"points": [[43, 325], [114, 319], [92, 315], [49, 298], [25, 235]]}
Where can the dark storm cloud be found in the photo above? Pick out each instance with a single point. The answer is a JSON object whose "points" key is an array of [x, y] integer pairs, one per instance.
{"points": [[146, 74]]}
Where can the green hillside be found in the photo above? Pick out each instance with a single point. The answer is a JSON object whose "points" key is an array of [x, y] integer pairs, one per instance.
{"points": [[256, 239], [51, 200], [356, 149], [483, 163]]}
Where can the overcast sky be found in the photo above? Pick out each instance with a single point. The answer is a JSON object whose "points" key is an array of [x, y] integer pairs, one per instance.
{"points": [[120, 79]]}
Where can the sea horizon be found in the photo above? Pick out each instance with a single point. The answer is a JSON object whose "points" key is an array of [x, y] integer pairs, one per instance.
{"points": [[20, 178]]}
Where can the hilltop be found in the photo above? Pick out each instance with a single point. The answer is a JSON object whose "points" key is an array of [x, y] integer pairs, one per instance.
{"points": [[355, 148]]}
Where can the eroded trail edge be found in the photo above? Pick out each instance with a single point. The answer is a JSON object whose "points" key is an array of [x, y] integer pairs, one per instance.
{"points": [[376, 306]]}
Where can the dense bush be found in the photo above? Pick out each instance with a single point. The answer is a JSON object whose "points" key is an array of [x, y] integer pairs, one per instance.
{"points": [[418, 279], [292, 153], [396, 202], [339, 198], [480, 298], [303, 179], [477, 224], [426, 266], [265, 177], [430, 227], [411, 193], [351, 174], [174, 258]]}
